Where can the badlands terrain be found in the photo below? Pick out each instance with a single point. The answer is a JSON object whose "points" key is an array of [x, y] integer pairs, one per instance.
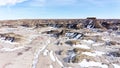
{"points": [[60, 43]]}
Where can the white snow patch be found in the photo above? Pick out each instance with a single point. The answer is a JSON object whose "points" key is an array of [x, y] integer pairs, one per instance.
{"points": [[36, 56], [88, 41], [96, 34], [69, 34], [82, 46], [97, 44], [9, 49], [99, 53], [45, 53], [84, 63], [52, 56], [89, 53], [48, 41], [51, 66], [116, 66], [96, 53], [59, 62]]}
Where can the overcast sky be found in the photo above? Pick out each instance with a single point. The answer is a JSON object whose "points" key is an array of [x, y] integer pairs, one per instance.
{"points": [[30, 9]]}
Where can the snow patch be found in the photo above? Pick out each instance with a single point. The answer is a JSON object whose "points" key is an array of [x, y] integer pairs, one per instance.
{"points": [[59, 62], [116, 66], [97, 44], [52, 56], [36, 56], [88, 41], [84, 63], [82, 46], [89, 53], [9, 49], [45, 53], [51, 66], [99, 53], [96, 53]]}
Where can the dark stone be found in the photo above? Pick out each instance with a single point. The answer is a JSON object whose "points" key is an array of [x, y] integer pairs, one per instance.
{"points": [[56, 35], [12, 39], [118, 33], [114, 54], [113, 27], [108, 43], [25, 25], [69, 43], [59, 25], [71, 56], [72, 26], [58, 42], [61, 32], [37, 25], [27, 49], [69, 52], [67, 59], [49, 32], [20, 53], [59, 52], [55, 25], [6, 38], [105, 24]]}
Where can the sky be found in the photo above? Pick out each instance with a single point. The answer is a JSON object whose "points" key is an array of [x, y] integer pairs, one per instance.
{"points": [[59, 9]]}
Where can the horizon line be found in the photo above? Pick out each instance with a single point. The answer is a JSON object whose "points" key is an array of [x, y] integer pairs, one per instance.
{"points": [[53, 18]]}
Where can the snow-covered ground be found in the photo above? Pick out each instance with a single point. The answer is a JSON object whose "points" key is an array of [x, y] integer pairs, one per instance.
{"points": [[13, 49], [52, 56], [116, 66], [96, 53], [44, 51], [88, 41], [81, 46], [51, 66], [84, 63], [59, 62], [37, 53]]}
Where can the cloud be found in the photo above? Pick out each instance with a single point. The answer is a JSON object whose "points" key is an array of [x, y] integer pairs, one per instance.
{"points": [[10, 2], [41, 3], [51, 2], [37, 2]]}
